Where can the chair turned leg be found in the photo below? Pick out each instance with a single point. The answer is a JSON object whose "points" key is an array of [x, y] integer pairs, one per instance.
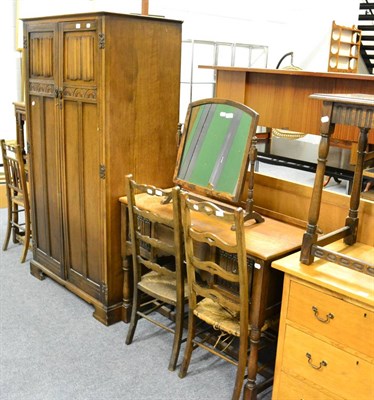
{"points": [[26, 243], [240, 372], [15, 221], [177, 338], [134, 317], [189, 345], [8, 228]]}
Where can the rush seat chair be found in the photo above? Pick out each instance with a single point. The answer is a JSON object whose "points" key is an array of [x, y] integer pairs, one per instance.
{"points": [[218, 281], [17, 197], [158, 263]]}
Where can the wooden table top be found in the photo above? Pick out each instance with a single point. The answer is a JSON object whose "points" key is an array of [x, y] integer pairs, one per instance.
{"points": [[354, 99], [302, 73], [267, 241], [332, 276]]}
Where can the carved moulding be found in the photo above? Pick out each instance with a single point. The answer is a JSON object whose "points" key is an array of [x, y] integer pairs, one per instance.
{"points": [[41, 88], [344, 260], [80, 93], [352, 115]]}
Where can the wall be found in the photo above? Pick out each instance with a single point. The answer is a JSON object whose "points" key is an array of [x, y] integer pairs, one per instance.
{"points": [[10, 69], [288, 25]]}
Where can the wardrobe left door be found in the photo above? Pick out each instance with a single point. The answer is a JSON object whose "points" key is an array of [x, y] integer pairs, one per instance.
{"points": [[42, 98]]}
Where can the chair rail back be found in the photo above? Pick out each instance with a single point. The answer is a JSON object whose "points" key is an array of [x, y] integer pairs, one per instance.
{"points": [[224, 261], [146, 234], [17, 196]]}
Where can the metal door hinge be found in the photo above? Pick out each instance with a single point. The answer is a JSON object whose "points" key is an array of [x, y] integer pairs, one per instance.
{"points": [[102, 171], [101, 40]]}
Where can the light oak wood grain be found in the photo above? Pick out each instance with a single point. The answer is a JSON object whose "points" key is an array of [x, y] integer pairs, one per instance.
{"points": [[281, 97]]}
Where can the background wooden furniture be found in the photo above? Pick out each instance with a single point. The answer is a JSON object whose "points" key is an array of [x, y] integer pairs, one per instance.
{"points": [[353, 110], [281, 97], [368, 175], [344, 48], [326, 335], [20, 114], [301, 153], [290, 201], [102, 96], [17, 193]]}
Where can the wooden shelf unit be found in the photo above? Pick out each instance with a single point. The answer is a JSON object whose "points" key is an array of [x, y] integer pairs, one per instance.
{"points": [[344, 49]]}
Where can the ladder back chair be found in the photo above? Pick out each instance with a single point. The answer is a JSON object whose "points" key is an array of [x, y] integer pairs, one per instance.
{"points": [[17, 197], [221, 298], [158, 263]]}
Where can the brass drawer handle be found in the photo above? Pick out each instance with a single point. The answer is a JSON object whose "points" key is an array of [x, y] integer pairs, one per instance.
{"points": [[329, 316], [323, 363]]}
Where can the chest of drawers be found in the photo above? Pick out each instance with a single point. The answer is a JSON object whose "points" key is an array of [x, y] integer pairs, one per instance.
{"points": [[326, 336]]}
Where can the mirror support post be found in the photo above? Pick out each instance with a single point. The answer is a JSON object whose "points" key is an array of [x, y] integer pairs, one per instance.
{"points": [[249, 212]]}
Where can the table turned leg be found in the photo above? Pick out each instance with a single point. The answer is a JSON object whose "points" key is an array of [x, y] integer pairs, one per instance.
{"points": [[310, 236], [127, 288], [352, 219], [256, 320], [126, 266]]}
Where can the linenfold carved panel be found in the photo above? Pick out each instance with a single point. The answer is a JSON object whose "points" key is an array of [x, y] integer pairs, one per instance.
{"points": [[41, 51], [79, 57]]}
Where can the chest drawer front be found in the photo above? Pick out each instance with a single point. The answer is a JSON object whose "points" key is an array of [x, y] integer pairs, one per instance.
{"points": [[336, 319], [327, 366], [294, 389]]}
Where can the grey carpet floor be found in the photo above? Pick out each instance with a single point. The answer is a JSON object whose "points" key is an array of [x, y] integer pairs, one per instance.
{"points": [[51, 348]]}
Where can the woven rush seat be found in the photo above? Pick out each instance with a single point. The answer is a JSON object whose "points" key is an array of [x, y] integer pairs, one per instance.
{"points": [[164, 285], [19, 199], [215, 315]]}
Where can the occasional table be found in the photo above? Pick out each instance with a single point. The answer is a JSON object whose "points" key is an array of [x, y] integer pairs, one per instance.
{"points": [[345, 109]]}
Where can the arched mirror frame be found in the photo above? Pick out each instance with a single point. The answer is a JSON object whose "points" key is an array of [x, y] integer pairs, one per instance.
{"points": [[242, 166]]}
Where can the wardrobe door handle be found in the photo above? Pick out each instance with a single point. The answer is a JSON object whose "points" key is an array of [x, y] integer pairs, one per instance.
{"points": [[58, 93]]}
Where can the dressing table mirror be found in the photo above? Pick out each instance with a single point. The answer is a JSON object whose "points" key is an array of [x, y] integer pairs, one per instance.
{"points": [[216, 149]]}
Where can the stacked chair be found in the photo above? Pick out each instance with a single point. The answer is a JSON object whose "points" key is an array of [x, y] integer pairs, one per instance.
{"points": [[18, 202], [219, 277]]}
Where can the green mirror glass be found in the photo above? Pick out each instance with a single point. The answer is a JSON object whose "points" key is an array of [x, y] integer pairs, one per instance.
{"points": [[214, 150]]}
